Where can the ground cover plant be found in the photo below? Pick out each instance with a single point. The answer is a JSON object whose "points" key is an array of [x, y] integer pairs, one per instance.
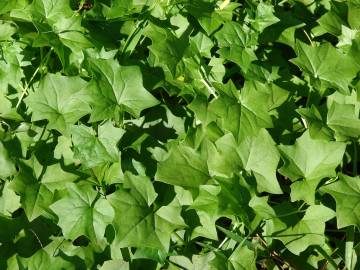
{"points": [[179, 134]]}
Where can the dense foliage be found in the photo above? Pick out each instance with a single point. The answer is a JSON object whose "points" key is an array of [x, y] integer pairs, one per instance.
{"points": [[179, 134]]}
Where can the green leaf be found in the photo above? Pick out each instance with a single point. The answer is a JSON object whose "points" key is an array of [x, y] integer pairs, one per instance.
{"points": [[166, 49], [136, 223], [317, 125], [206, 206], [264, 16], [96, 149], [304, 190], [353, 13], [224, 158], [141, 186], [184, 167], [260, 156], [326, 64], [115, 265], [51, 10], [311, 159], [346, 192], [257, 155], [63, 150], [284, 30], [209, 18], [35, 197], [7, 30], [121, 8], [179, 134], [237, 43], [331, 22], [243, 258], [55, 178], [347, 37], [9, 201], [223, 200], [117, 88], [42, 259], [60, 100], [306, 232], [344, 120], [7, 165], [7, 111], [83, 212], [11, 63]]}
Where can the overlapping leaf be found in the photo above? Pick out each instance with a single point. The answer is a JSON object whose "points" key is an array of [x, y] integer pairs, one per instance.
{"points": [[81, 212], [179, 134], [60, 100], [117, 88], [327, 64]]}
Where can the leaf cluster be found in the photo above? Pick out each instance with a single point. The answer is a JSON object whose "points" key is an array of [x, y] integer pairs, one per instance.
{"points": [[179, 134]]}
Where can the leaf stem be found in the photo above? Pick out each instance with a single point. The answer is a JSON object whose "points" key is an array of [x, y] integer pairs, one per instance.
{"points": [[350, 231], [308, 37], [287, 214], [133, 38], [37, 237], [329, 259], [224, 4], [349, 246], [355, 159], [207, 83], [308, 98], [25, 90], [179, 238], [227, 238]]}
